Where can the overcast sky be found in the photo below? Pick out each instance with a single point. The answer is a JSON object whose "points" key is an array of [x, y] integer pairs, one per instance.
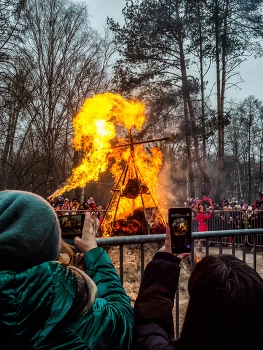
{"points": [[251, 71]]}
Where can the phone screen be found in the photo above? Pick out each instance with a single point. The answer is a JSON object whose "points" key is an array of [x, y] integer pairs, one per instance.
{"points": [[180, 223], [71, 225]]}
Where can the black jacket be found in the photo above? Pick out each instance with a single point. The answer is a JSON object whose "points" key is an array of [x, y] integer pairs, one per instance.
{"points": [[154, 327]]}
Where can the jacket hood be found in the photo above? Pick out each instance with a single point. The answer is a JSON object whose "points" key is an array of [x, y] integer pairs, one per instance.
{"points": [[33, 302]]}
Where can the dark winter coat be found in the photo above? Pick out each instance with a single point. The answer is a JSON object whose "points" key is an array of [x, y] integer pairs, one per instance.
{"points": [[154, 327]]}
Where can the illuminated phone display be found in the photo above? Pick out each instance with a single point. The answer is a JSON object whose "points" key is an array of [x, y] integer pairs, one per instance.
{"points": [[71, 225], [180, 223]]}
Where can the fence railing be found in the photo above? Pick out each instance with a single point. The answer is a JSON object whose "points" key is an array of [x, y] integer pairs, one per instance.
{"points": [[245, 240]]}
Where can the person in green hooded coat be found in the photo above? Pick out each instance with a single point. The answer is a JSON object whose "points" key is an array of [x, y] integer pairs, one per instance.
{"points": [[45, 304]]}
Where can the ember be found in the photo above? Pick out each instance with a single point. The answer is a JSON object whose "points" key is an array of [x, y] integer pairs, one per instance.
{"points": [[136, 224]]}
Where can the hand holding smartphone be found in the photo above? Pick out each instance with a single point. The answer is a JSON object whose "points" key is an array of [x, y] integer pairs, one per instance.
{"points": [[180, 224]]}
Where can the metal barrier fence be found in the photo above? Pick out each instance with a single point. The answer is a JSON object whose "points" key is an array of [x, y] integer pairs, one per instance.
{"points": [[235, 220], [239, 240]]}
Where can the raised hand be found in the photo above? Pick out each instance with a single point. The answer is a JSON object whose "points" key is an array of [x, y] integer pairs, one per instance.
{"points": [[90, 229]]}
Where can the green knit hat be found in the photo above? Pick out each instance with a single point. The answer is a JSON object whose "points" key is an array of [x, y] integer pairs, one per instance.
{"points": [[29, 231]]}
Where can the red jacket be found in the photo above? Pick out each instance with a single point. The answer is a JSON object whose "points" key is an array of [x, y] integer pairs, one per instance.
{"points": [[202, 219]]}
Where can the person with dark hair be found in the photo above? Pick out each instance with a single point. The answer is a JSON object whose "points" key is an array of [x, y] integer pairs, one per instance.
{"points": [[224, 310], [74, 205], [206, 201], [46, 304], [201, 218]]}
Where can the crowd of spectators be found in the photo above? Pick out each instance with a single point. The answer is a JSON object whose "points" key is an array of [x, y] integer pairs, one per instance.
{"points": [[208, 215], [227, 215], [225, 204], [63, 206]]}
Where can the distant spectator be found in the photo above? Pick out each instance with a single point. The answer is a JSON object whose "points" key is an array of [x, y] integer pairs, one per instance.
{"points": [[100, 212], [226, 222], [249, 211], [242, 202], [216, 206], [206, 202], [65, 207], [81, 207], [74, 205], [245, 224], [58, 204], [57, 209], [59, 201], [257, 204], [225, 203], [94, 206], [255, 220], [85, 204], [233, 202], [191, 201], [91, 203], [202, 218]]}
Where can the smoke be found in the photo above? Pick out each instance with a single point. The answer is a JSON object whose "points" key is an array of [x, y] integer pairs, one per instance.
{"points": [[167, 187], [171, 131]]}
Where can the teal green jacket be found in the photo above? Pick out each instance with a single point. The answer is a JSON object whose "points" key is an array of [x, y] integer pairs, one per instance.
{"points": [[34, 301]]}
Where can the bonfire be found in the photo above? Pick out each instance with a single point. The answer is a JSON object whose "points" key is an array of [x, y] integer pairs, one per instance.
{"points": [[105, 130]]}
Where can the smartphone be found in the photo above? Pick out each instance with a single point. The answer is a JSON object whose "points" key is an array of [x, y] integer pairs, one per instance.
{"points": [[71, 225], [180, 223]]}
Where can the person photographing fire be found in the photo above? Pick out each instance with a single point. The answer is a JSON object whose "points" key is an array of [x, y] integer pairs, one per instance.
{"points": [[201, 218], [224, 310], [45, 304]]}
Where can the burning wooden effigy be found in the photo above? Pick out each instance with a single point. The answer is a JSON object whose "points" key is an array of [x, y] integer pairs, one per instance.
{"points": [[105, 130], [139, 214]]}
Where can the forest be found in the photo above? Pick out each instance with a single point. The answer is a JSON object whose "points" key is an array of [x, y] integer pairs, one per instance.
{"points": [[52, 60]]}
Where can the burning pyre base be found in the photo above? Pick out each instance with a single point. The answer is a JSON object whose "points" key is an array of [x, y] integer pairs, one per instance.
{"points": [[135, 224]]}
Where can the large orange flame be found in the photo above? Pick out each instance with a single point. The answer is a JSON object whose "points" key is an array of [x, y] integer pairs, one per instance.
{"points": [[103, 119], [94, 127]]}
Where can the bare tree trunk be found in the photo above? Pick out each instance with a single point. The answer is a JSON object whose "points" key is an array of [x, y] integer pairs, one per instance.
{"points": [[187, 98], [189, 153], [221, 87], [260, 165], [76, 161], [203, 117]]}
